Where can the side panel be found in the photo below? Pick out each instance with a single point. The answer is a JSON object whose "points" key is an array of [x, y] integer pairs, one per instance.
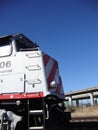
{"points": [[35, 76], [29, 72], [23, 75], [52, 74], [12, 83]]}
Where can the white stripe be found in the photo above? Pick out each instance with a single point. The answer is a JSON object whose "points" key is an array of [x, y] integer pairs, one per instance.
{"points": [[49, 67], [57, 78]]}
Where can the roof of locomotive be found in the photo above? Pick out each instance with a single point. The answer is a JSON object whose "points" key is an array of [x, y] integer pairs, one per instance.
{"points": [[20, 38]]}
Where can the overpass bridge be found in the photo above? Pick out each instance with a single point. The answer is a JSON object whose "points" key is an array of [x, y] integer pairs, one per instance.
{"points": [[89, 93]]}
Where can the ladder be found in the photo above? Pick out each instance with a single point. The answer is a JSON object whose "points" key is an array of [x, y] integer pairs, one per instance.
{"points": [[36, 114]]}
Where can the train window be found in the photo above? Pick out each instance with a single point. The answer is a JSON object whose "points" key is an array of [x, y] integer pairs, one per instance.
{"points": [[5, 48], [24, 46], [19, 45]]}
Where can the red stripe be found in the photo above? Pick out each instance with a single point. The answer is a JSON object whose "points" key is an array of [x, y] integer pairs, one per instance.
{"points": [[21, 96], [46, 59], [52, 73]]}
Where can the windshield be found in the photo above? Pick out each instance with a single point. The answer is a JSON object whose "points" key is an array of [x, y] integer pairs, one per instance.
{"points": [[25, 45], [5, 48]]}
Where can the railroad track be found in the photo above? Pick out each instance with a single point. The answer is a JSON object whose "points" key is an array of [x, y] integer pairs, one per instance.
{"points": [[85, 119], [83, 126], [83, 123]]}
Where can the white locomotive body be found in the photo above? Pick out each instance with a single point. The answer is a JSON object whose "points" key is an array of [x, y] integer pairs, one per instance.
{"points": [[26, 71], [31, 91]]}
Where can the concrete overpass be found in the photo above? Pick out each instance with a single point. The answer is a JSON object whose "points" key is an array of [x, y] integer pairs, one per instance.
{"points": [[89, 93]]}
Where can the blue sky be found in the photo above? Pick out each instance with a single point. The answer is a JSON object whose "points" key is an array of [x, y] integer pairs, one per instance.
{"points": [[65, 29]]}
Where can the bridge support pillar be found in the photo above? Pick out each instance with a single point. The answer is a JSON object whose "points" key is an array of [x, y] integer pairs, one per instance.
{"points": [[70, 100], [91, 98], [77, 102]]}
